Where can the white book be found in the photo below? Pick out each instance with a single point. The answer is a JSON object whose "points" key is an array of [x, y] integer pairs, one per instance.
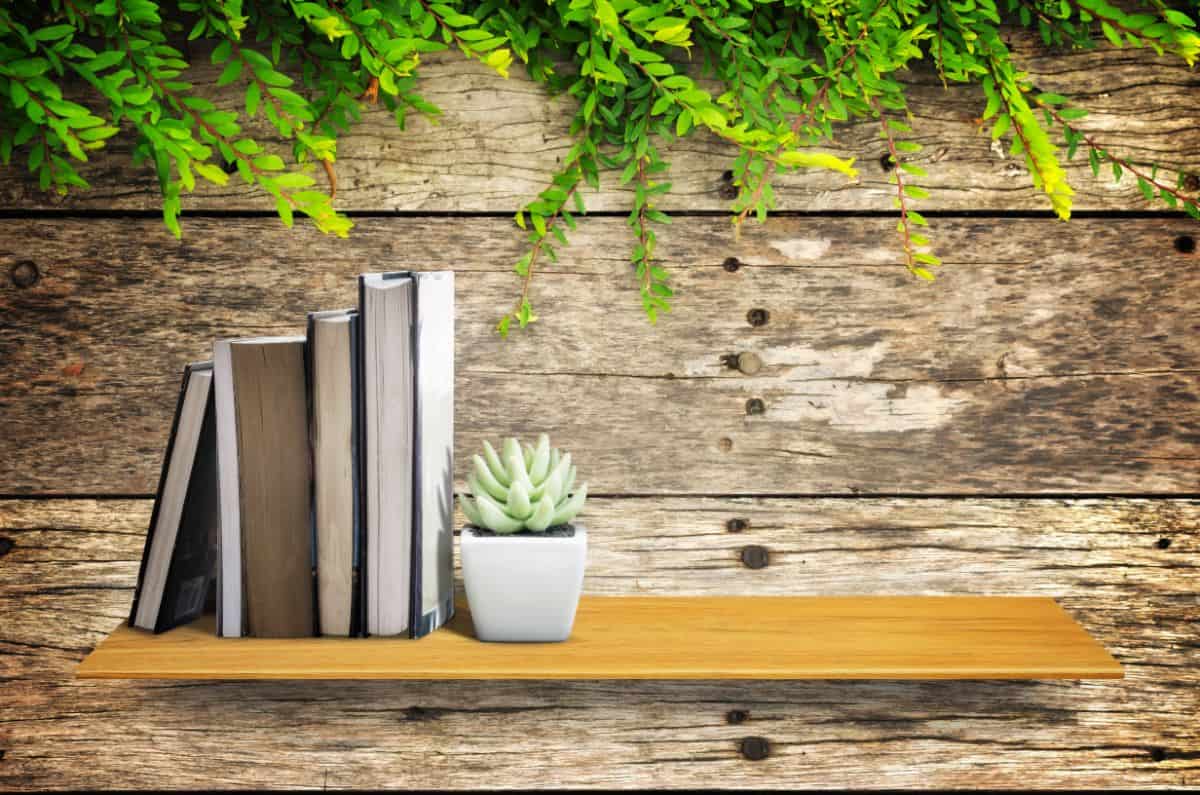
{"points": [[433, 514], [386, 312], [229, 571]]}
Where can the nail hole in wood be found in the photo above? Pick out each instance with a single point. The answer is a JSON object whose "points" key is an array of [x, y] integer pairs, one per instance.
{"points": [[6, 545], [1158, 754], [755, 406], [755, 557], [725, 443], [736, 525], [736, 716], [885, 162], [1185, 244], [729, 361], [229, 166], [731, 264], [25, 273], [755, 748], [758, 317], [749, 363], [1163, 543], [1191, 183], [727, 175]]}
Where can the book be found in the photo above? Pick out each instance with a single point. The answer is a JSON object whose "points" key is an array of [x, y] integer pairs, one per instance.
{"points": [[333, 434], [386, 305], [180, 552], [433, 462], [265, 473]]}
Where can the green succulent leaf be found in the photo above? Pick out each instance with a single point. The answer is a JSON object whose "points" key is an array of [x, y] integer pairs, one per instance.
{"points": [[533, 499], [493, 461]]}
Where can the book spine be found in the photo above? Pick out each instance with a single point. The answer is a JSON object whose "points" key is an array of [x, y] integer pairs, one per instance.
{"points": [[432, 596], [357, 619], [229, 578], [312, 481]]}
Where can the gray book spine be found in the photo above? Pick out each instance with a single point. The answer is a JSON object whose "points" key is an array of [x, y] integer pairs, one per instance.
{"points": [[433, 467]]}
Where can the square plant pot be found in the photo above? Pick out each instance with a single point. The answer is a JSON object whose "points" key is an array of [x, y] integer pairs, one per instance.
{"points": [[523, 587]]}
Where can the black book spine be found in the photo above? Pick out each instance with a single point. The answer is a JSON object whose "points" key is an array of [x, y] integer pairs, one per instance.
{"points": [[415, 630], [358, 622], [312, 484], [360, 457]]}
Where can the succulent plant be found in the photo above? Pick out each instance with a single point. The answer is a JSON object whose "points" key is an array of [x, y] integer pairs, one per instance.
{"points": [[522, 488]]}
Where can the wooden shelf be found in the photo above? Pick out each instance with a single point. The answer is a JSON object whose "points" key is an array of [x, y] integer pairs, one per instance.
{"points": [[878, 637]]}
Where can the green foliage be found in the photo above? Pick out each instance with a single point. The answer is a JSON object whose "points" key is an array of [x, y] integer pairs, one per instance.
{"points": [[518, 489], [772, 78]]}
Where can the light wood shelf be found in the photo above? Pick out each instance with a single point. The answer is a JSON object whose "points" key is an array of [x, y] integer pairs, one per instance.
{"points": [[877, 637]]}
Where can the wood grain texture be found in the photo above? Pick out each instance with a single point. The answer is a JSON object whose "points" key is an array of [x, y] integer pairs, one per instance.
{"points": [[1125, 568], [662, 638], [499, 141], [1048, 357]]}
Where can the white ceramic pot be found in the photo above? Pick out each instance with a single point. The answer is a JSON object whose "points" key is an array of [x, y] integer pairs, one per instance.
{"points": [[523, 587]]}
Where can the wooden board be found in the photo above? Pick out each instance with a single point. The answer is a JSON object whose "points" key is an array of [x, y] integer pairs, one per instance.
{"points": [[498, 142], [1126, 569], [1071, 350], [1030, 366], [662, 637]]}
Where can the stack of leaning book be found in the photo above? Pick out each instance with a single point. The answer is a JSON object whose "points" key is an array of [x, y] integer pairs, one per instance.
{"points": [[307, 485]]}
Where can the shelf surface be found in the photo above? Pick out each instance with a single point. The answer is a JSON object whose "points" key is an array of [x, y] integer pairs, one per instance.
{"points": [[698, 637]]}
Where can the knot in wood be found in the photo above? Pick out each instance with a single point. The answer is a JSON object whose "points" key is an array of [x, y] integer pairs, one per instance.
{"points": [[24, 273], [736, 525], [1185, 244], [725, 443], [1163, 543], [1191, 183], [755, 748], [419, 714], [727, 190], [755, 557], [758, 317], [1158, 754], [755, 406], [749, 363], [885, 162], [731, 264], [736, 716]]}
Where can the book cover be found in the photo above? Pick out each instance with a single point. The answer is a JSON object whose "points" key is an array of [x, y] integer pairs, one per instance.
{"points": [[180, 551], [386, 307], [266, 587], [433, 464], [334, 420]]}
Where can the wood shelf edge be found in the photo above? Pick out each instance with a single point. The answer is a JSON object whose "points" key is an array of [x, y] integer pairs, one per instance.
{"points": [[663, 638]]}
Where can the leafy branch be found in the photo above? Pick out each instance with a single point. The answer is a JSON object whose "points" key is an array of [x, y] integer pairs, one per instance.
{"points": [[774, 80]]}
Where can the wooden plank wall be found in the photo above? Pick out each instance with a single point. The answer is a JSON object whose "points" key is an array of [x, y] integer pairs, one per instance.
{"points": [[1025, 425]]}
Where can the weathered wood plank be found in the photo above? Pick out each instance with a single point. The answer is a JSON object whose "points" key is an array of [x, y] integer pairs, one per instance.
{"points": [[1048, 357], [499, 141], [1125, 568]]}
